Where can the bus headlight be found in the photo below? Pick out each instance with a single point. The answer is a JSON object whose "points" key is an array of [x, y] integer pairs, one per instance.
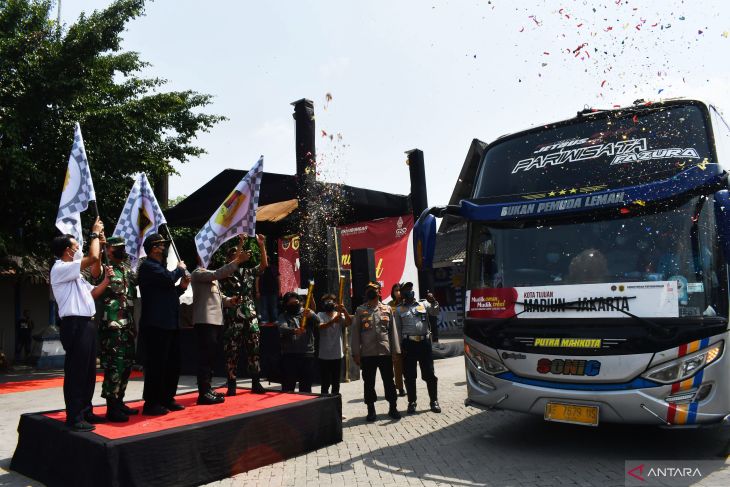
{"points": [[684, 367], [483, 362]]}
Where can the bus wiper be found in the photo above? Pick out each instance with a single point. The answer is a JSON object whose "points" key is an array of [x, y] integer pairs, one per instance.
{"points": [[574, 305]]}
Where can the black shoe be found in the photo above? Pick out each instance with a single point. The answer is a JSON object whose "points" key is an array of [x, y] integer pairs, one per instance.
{"points": [[257, 388], [217, 394], [155, 410], [209, 398], [94, 418], [401, 393], [114, 412], [231, 387], [371, 414], [175, 406], [127, 410], [82, 427], [393, 412], [411, 408], [435, 407]]}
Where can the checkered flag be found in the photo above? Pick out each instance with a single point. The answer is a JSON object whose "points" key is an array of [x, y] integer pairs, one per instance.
{"points": [[237, 215], [78, 190], [140, 216]]}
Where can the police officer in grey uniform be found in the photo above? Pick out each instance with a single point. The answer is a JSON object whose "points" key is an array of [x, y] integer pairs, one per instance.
{"points": [[411, 318]]}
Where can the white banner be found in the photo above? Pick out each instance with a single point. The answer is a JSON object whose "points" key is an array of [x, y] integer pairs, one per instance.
{"points": [[649, 299], [653, 299]]}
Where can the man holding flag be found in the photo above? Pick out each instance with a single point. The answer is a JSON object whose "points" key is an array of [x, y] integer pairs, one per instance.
{"points": [[237, 216], [73, 294]]}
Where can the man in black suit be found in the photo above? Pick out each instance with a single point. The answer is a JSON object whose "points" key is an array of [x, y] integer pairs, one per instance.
{"points": [[159, 326]]}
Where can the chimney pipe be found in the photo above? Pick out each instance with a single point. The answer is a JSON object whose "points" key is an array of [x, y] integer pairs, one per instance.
{"points": [[313, 236], [419, 202]]}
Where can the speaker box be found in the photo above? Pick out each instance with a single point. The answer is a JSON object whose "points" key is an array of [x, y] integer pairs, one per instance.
{"points": [[362, 266]]}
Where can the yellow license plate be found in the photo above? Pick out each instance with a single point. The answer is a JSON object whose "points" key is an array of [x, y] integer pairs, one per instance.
{"points": [[571, 413]]}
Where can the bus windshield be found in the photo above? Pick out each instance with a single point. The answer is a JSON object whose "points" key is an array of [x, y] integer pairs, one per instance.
{"points": [[671, 244]]}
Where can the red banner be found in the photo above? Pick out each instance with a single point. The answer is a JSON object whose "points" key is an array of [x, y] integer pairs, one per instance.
{"points": [[288, 264], [492, 303], [389, 238]]}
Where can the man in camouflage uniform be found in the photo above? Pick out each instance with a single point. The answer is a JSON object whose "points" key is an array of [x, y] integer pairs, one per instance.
{"points": [[242, 323], [117, 332]]}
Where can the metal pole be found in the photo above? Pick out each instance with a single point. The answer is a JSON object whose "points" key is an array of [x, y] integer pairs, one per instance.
{"points": [[346, 334], [172, 242]]}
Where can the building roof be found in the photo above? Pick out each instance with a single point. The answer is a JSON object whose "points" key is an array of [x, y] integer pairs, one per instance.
{"points": [[281, 189], [465, 182], [450, 246]]}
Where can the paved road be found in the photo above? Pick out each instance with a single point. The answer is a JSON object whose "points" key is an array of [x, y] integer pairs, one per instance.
{"points": [[460, 447]]}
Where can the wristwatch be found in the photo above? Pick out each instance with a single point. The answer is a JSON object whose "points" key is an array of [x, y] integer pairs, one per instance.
{"points": [[93, 235]]}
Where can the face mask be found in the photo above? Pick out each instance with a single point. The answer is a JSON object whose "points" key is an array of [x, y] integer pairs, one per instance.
{"points": [[408, 295], [552, 257], [329, 306], [120, 254], [293, 308], [371, 294], [78, 255]]}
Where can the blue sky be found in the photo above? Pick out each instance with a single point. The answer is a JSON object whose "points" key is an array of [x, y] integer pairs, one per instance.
{"points": [[415, 74]]}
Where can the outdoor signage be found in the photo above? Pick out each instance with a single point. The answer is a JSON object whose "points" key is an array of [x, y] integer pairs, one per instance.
{"points": [[655, 299], [388, 237], [571, 200]]}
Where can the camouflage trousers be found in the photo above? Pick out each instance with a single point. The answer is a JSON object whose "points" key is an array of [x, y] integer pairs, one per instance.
{"points": [[116, 357], [240, 334]]}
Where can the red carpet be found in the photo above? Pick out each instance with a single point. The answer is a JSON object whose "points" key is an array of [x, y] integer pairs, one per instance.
{"points": [[243, 402], [47, 383]]}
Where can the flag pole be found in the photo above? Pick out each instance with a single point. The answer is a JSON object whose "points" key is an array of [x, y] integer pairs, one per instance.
{"points": [[102, 250], [172, 242]]}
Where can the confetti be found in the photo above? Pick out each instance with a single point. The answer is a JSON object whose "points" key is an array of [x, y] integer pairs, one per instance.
{"points": [[603, 83]]}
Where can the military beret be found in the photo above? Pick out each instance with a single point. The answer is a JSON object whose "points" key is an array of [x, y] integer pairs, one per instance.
{"points": [[115, 241]]}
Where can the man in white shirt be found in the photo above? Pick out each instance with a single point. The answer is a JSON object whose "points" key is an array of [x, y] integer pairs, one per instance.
{"points": [[75, 298]]}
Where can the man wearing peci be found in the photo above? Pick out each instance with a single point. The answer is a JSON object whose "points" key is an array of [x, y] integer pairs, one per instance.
{"points": [[159, 326]]}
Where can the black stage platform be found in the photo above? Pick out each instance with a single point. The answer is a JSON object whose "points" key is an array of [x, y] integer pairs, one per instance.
{"points": [[198, 445]]}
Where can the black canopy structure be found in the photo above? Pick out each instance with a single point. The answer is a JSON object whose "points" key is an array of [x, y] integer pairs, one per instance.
{"points": [[278, 205]]}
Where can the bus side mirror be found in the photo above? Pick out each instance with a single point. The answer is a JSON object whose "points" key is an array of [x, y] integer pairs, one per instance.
{"points": [[424, 240], [722, 218]]}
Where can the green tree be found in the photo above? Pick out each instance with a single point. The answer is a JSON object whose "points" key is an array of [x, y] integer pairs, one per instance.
{"points": [[52, 77]]}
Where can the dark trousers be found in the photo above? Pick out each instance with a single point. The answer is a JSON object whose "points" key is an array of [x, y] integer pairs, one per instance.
{"points": [[369, 366], [329, 375], [23, 342], [418, 354], [296, 367], [162, 365], [433, 325], [78, 337], [208, 336], [269, 308]]}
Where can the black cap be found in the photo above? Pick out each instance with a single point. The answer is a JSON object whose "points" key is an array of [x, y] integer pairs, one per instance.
{"points": [[152, 239], [406, 284]]}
